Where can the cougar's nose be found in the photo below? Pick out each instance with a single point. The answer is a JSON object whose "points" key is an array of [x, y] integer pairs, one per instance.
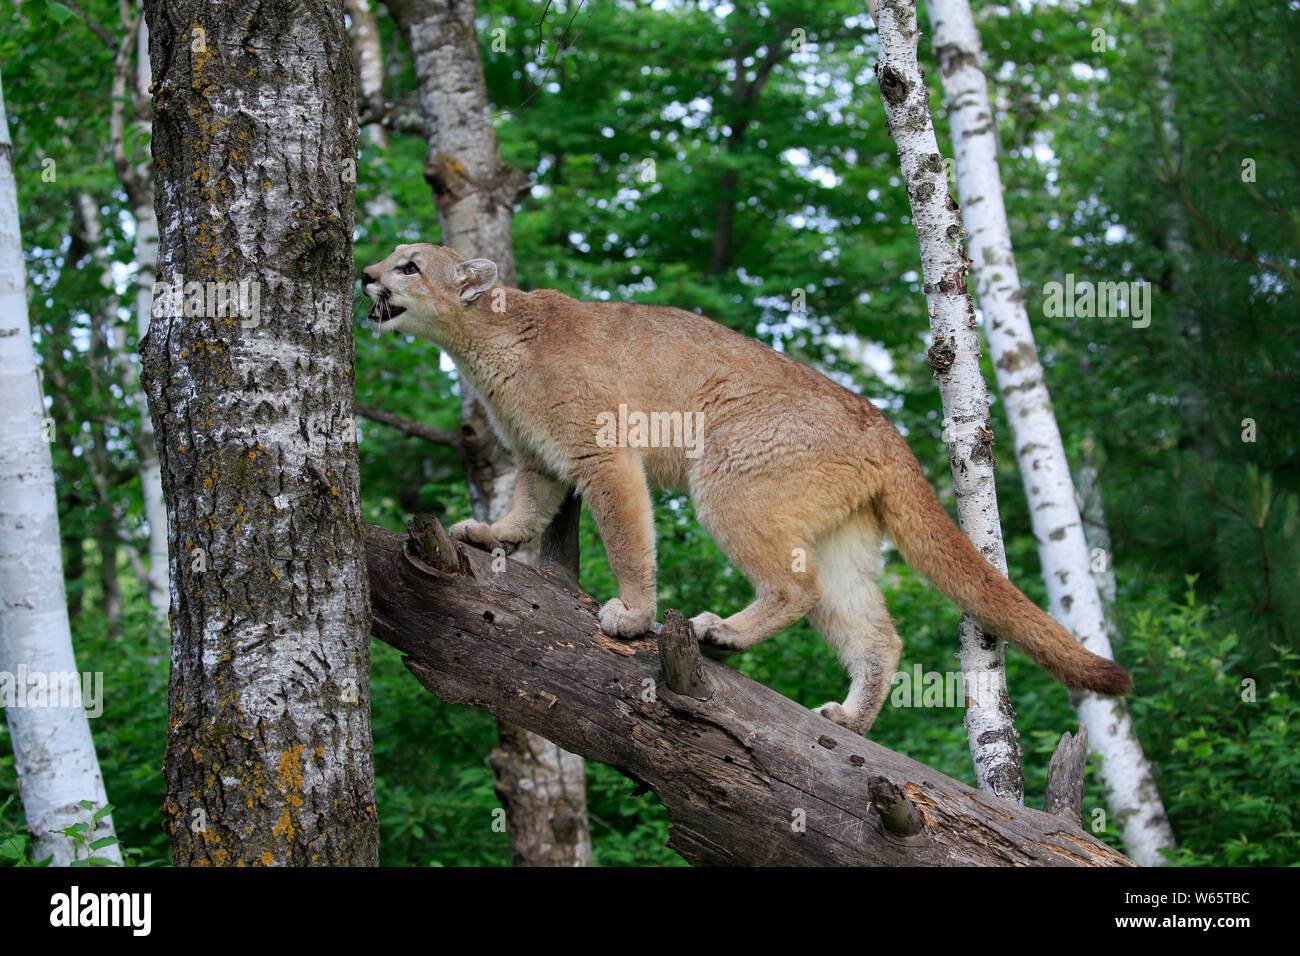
{"points": [[366, 279]]}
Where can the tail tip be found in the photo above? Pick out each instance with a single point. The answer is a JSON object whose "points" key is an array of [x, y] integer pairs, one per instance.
{"points": [[1106, 677]]}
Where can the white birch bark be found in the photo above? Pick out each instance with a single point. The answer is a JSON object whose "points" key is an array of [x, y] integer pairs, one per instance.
{"points": [[369, 56], [54, 754], [155, 511], [1058, 531], [137, 179], [955, 359]]}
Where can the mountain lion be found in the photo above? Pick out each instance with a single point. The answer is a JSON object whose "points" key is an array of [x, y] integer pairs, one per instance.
{"points": [[795, 477]]}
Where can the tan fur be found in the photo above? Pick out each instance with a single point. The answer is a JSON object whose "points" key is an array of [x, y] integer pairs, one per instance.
{"points": [[795, 477]]}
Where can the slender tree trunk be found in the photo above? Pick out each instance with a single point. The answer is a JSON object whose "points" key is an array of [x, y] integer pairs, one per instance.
{"points": [[54, 754], [543, 787], [155, 512], [1149, 825], [955, 360], [74, 568], [1058, 530], [101, 359], [131, 91], [369, 58], [742, 100], [109, 584], [269, 757]]}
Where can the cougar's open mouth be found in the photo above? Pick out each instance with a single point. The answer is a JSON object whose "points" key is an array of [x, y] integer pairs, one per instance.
{"points": [[381, 311]]}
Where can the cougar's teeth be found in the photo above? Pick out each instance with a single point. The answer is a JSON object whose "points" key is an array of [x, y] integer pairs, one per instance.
{"points": [[381, 311]]}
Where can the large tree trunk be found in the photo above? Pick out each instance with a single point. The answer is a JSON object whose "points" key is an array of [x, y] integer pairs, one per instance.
{"points": [[749, 777], [268, 755], [955, 360], [541, 786], [1058, 531], [54, 755]]}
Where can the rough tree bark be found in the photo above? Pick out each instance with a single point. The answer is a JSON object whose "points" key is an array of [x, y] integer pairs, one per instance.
{"points": [[268, 755], [54, 754], [542, 787], [749, 777], [955, 361], [1063, 550]]}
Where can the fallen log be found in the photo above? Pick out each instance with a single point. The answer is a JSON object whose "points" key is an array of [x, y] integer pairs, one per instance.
{"points": [[748, 776]]}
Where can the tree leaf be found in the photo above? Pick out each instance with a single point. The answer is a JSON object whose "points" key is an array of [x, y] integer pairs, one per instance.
{"points": [[58, 12]]}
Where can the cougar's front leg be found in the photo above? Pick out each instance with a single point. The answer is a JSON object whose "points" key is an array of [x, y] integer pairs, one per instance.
{"points": [[614, 488], [533, 504]]}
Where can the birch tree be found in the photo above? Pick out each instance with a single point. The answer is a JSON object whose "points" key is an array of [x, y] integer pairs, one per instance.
{"points": [[40, 686], [1058, 530], [248, 368], [542, 786], [130, 95], [368, 53], [103, 361], [955, 360]]}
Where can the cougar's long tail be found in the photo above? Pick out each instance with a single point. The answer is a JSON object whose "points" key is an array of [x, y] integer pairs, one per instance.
{"points": [[931, 543]]}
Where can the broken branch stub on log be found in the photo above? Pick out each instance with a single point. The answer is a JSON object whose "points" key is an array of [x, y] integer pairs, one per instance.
{"points": [[1064, 794], [680, 652], [747, 776]]}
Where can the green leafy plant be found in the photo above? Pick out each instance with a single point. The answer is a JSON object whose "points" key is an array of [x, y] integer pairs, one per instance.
{"points": [[81, 833]]}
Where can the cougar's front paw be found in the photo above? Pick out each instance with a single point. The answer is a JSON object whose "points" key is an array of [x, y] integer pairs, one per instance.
{"points": [[475, 533], [617, 620], [713, 630]]}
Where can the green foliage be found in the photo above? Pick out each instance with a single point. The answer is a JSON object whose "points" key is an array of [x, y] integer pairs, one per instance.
{"points": [[1220, 734], [80, 834], [15, 844]]}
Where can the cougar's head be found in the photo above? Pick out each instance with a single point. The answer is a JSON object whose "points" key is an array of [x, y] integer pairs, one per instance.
{"points": [[426, 290]]}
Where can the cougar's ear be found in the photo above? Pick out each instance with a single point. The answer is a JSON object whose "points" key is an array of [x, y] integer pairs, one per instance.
{"points": [[474, 277]]}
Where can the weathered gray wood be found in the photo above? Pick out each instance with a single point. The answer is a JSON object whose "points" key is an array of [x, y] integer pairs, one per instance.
{"points": [[897, 813], [680, 652], [748, 777], [1064, 795], [431, 543]]}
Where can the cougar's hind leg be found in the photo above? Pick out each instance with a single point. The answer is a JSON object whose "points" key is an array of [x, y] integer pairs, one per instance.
{"points": [[778, 562], [851, 616]]}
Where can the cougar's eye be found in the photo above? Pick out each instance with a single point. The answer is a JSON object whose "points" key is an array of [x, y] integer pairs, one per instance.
{"points": [[410, 269]]}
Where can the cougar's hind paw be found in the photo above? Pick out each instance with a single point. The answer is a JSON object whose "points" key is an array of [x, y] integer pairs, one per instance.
{"points": [[836, 713], [713, 631]]}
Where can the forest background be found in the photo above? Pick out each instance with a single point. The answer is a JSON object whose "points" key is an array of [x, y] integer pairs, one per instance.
{"points": [[1151, 141]]}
